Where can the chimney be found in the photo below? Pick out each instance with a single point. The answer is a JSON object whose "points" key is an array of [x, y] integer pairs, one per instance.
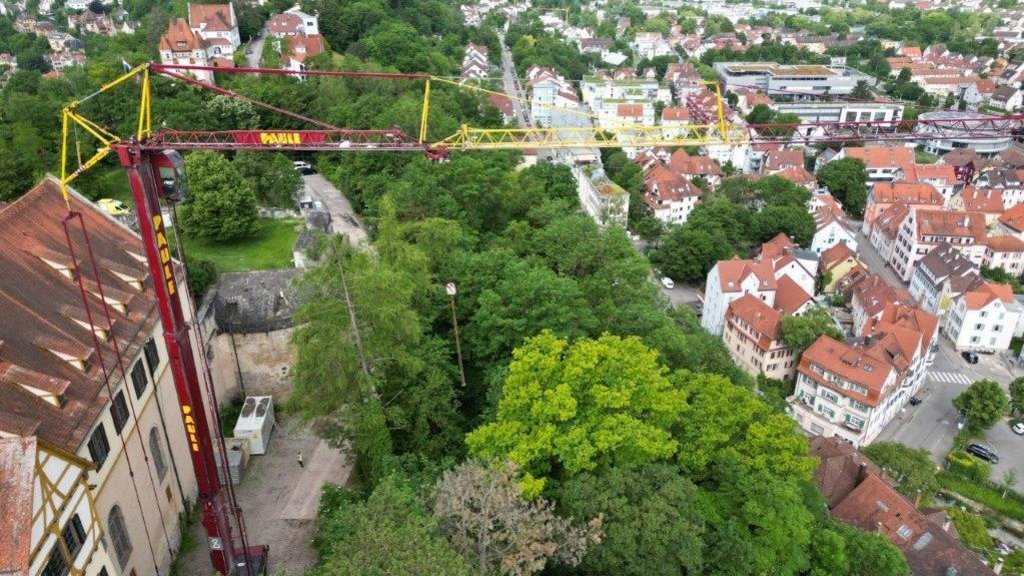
{"points": [[878, 528], [947, 523], [862, 473], [917, 498]]}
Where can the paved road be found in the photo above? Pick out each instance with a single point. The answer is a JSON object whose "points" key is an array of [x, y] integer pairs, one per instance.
{"points": [[343, 217], [256, 47], [512, 86], [873, 260], [933, 424]]}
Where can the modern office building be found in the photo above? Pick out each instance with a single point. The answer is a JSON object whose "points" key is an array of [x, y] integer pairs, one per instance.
{"points": [[785, 80]]}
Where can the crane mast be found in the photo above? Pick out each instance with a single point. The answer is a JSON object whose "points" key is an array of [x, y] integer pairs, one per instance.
{"points": [[144, 168]]}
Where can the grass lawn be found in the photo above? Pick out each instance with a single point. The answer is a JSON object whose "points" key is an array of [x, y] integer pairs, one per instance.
{"points": [[270, 248], [922, 157]]}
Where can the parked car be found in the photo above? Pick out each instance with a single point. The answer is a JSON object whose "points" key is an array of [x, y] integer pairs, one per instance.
{"points": [[983, 453], [1018, 428], [303, 167], [112, 206], [970, 357], [914, 400], [668, 283]]}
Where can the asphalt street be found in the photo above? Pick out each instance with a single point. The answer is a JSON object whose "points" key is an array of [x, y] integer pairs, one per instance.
{"points": [[343, 217], [255, 50]]}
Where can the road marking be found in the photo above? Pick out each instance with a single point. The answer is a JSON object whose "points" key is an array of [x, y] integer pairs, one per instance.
{"points": [[949, 378]]}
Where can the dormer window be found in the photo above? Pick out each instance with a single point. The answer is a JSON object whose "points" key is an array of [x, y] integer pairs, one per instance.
{"points": [[102, 334], [79, 363], [64, 269]]}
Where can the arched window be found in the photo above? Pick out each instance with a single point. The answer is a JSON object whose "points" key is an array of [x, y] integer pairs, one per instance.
{"points": [[119, 535], [157, 453]]}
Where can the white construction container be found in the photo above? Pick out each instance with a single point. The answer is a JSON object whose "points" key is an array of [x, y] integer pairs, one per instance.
{"points": [[256, 422]]}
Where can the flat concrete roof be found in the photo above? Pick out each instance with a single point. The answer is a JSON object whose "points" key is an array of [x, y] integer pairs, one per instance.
{"points": [[781, 69]]}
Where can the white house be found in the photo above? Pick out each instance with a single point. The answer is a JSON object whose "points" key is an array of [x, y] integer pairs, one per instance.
{"points": [[830, 230], [728, 281], [983, 318], [180, 45], [669, 197]]}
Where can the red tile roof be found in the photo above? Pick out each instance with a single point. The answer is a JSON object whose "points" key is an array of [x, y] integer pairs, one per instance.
{"points": [[286, 23], [630, 110], [778, 160], [986, 293], [688, 165], [732, 273], [759, 316], [42, 309], [841, 468], [982, 199], [675, 114], [951, 223], [909, 192], [852, 363], [833, 256], [882, 156], [778, 246], [302, 47], [874, 506], [1005, 243], [180, 38], [929, 172], [1014, 218], [216, 17], [17, 484], [789, 296]]}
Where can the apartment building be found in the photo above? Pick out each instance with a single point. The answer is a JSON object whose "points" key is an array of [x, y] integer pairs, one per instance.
{"points": [[831, 230], [548, 90], [940, 277], [217, 26], [941, 176], [796, 81], [842, 111], [868, 297], [54, 389], [1006, 253], [753, 336], [883, 195], [1007, 181], [883, 163], [886, 228], [729, 280], [923, 230], [984, 317], [669, 196], [600, 87]]}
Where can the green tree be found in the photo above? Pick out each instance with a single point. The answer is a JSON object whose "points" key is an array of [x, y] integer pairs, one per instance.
{"points": [[568, 408], [795, 221], [983, 403], [777, 191], [761, 114], [846, 179], [862, 91], [651, 516], [828, 553], [221, 205], [202, 273], [912, 469], [16, 175], [1017, 395], [688, 253], [271, 176], [874, 555], [390, 533], [490, 523], [971, 528], [799, 332], [1014, 563]]}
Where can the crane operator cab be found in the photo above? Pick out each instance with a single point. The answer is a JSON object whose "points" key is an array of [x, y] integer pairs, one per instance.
{"points": [[170, 173]]}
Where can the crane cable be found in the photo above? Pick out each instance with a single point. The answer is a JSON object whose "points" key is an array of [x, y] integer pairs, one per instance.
{"points": [[77, 272], [236, 510]]}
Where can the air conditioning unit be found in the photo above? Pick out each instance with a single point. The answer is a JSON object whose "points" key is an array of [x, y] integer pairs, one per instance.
{"points": [[256, 422]]}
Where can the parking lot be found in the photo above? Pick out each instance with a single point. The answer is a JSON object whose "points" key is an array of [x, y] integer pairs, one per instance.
{"points": [[933, 423]]}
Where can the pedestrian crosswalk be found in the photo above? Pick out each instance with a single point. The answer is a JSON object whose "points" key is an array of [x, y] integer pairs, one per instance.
{"points": [[949, 378]]}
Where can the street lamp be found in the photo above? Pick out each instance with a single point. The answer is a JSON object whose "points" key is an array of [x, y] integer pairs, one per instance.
{"points": [[452, 290]]}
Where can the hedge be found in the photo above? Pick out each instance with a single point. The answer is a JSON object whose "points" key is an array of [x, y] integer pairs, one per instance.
{"points": [[986, 495]]}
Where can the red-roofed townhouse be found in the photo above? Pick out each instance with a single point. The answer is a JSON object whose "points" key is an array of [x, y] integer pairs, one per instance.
{"points": [[670, 197], [869, 297], [886, 229], [987, 201], [753, 336], [1009, 181], [729, 280], [835, 263], [906, 333], [923, 230], [830, 230], [942, 176], [1011, 222], [293, 22], [692, 167], [884, 194], [217, 26], [300, 49], [983, 318], [54, 387], [850, 391], [180, 45], [1006, 253], [674, 120], [790, 298], [883, 162]]}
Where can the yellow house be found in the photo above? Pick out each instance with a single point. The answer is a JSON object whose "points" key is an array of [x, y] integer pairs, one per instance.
{"points": [[835, 263]]}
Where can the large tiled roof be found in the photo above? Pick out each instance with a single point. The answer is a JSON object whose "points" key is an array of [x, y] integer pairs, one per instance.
{"points": [[841, 468], [17, 483], [916, 173], [874, 506], [834, 255], [759, 316], [909, 192], [180, 38], [1014, 218], [211, 17], [951, 223], [789, 296], [985, 293], [43, 317], [732, 273], [882, 156], [852, 363]]}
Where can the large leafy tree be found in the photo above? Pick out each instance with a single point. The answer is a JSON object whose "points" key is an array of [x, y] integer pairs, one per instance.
{"points": [[873, 555], [568, 408], [271, 176], [795, 221], [846, 179], [799, 332], [652, 520], [983, 403], [688, 253], [390, 533], [913, 469], [1017, 395], [487, 520], [221, 204]]}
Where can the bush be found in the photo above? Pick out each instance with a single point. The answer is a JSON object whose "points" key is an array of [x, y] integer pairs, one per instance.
{"points": [[972, 529], [985, 494], [202, 273], [966, 466]]}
